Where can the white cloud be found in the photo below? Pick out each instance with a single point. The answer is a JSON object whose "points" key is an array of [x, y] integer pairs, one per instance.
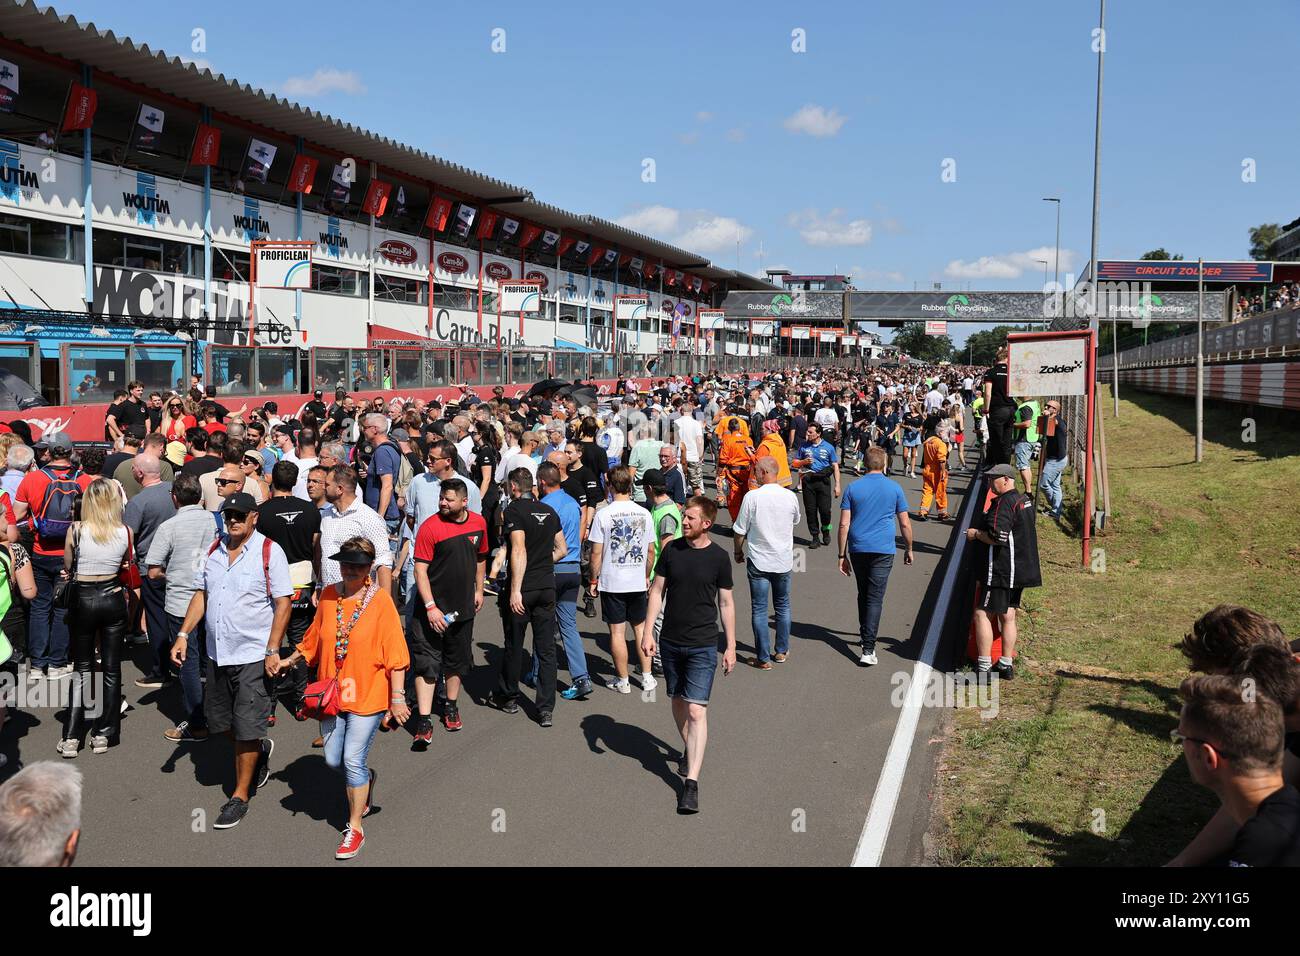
{"points": [[703, 116], [324, 81], [831, 229], [688, 138], [736, 135], [815, 121], [698, 230], [1011, 265], [860, 274]]}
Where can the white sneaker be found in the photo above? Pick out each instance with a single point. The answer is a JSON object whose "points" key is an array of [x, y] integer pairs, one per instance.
{"points": [[58, 673], [623, 686], [34, 674], [649, 682], [867, 659], [68, 748]]}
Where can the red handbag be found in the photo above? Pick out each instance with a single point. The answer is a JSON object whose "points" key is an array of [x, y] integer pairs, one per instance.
{"points": [[321, 698], [130, 574]]}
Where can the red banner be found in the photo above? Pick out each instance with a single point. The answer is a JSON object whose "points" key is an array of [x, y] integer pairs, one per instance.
{"points": [[671, 276], [80, 113], [439, 210], [302, 174], [566, 243], [486, 224], [650, 268], [207, 146], [624, 258], [376, 200], [596, 253], [529, 235]]}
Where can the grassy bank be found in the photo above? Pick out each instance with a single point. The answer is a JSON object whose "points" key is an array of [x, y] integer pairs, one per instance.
{"points": [[1078, 767]]}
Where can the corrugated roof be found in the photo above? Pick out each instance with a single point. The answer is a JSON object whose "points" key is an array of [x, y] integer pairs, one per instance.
{"points": [[44, 28]]}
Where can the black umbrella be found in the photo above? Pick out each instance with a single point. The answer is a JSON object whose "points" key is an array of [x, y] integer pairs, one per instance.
{"points": [[545, 387], [582, 394], [17, 395]]}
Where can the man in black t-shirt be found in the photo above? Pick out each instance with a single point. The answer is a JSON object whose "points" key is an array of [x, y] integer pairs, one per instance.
{"points": [[293, 524], [1001, 409], [208, 451], [1233, 740], [319, 410], [693, 576], [534, 542]]}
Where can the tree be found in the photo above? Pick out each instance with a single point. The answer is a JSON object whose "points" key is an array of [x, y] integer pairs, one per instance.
{"points": [[1262, 238], [1161, 254], [911, 338], [982, 346]]}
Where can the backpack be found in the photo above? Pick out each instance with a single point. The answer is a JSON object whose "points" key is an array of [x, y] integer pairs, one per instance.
{"points": [[58, 504], [266, 559], [405, 475]]}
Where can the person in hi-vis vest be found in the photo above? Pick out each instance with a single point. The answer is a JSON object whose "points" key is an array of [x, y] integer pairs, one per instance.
{"points": [[1025, 429]]}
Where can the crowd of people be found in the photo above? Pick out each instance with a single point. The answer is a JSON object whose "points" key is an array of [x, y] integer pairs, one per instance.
{"points": [[332, 561], [1284, 296]]}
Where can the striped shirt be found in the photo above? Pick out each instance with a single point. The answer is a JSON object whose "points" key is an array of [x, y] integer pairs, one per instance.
{"points": [[359, 520]]}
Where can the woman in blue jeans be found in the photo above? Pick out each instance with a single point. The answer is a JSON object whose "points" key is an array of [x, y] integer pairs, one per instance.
{"points": [[357, 639]]}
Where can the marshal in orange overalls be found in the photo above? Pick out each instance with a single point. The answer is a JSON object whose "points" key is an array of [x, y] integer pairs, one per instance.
{"points": [[735, 458], [934, 475]]}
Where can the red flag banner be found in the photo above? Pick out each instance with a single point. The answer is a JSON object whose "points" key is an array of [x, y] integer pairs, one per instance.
{"points": [[302, 174], [650, 268], [376, 200], [207, 146], [82, 101], [624, 259], [439, 210], [486, 224], [530, 235], [566, 243], [596, 253], [671, 276]]}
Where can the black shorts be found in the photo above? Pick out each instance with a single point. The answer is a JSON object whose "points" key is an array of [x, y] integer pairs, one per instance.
{"points": [[449, 654], [237, 698], [1000, 600], [623, 608]]}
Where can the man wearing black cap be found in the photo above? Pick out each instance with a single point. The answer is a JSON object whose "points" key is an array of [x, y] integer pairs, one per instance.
{"points": [[319, 410], [243, 594], [1009, 565]]}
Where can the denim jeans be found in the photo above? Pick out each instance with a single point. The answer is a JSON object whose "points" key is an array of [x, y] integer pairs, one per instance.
{"points": [[191, 671], [761, 583], [871, 572], [347, 743], [1051, 481], [567, 585], [153, 595], [47, 634]]}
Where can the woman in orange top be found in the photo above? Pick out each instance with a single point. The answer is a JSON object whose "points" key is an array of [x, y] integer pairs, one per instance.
{"points": [[357, 638], [773, 445]]}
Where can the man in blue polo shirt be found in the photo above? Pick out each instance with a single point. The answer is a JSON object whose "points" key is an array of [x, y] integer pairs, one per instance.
{"points": [[821, 480], [872, 504]]}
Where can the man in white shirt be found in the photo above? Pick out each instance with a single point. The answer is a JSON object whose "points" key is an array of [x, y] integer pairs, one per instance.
{"points": [[347, 516], [690, 441], [933, 400], [766, 522], [825, 416], [622, 538]]}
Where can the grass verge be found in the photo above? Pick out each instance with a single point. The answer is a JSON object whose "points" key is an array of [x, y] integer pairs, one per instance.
{"points": [[1078, 767]]}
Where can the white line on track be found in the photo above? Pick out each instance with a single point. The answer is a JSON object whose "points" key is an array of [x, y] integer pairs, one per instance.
{"points": [[875, 831]]}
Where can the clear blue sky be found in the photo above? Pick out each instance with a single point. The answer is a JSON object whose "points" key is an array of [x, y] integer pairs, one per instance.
{"points": [[830, 158]]}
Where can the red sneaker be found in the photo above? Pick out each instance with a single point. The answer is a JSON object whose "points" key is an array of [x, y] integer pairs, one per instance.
{"points": [[350, 845], [451, 716]]}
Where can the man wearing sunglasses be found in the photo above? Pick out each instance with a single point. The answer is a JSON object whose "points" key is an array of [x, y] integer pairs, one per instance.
{"points": [[243, 595]]}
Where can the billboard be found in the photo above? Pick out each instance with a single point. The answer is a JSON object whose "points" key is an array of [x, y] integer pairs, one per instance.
{"points": [[520, 297], [1048, 367], [631, 308], [799, 305], [1168, 270], [936, 327], [284, 267]]}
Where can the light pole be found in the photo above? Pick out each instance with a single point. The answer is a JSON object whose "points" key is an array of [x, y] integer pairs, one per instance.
{"points": [[1057, 266], [1043, 263]]}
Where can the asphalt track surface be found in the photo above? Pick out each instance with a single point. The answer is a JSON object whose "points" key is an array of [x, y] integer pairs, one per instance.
{"points": [[792, 761]]}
